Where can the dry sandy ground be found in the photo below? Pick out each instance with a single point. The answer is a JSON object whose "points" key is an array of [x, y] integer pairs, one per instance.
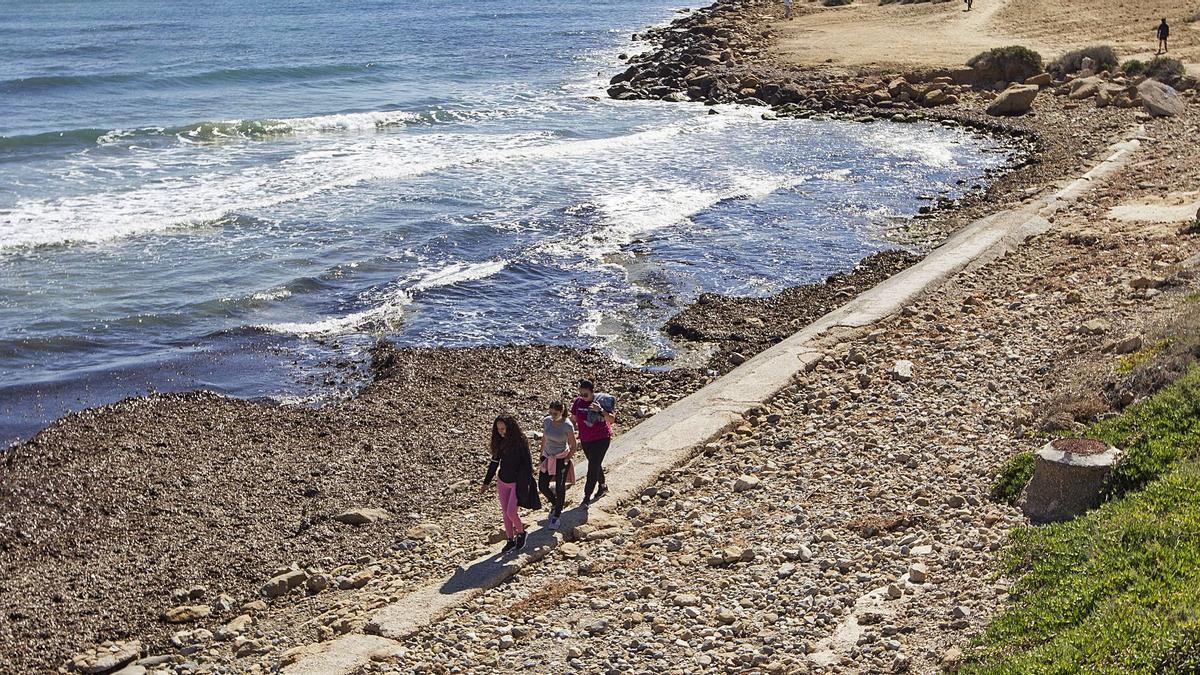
{"points": [[944, 35]]}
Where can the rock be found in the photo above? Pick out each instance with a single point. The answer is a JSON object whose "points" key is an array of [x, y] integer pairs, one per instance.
{"points": [[1085, 87], [960, 612], [1040, 80], [737, 358], [1016, 100], [106, 657], [893, 591], [234, 628], [317, 583], [1094, 327], [283, 583], [1147, 282], [131, 669], [1160, 100], [902, 371], [423, 531], [1068, 476], [1127, 345], [186, 613], [952, 657], [362, 516], [785, 570], [955, 501], [358, 580], [918, 573], [745, 483], [685, 600], [254, 606]]}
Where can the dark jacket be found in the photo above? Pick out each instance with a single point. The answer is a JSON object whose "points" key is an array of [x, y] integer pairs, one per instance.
{"points": [[515, 465]]}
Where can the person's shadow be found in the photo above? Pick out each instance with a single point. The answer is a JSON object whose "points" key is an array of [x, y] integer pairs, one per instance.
{"points": [[491, 571]]}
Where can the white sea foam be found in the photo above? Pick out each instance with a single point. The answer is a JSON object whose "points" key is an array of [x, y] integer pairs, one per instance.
{"points": [[386, 309], [210, 191]]}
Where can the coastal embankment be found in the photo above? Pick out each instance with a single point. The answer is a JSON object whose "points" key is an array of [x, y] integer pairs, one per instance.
{"points": [[843, 526]]}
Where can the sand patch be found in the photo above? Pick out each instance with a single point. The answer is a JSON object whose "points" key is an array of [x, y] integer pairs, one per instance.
{"points": [[1175, 208]]}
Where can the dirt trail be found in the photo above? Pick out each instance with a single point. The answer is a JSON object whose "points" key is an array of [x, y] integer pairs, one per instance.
{"points": [[944, 34]]}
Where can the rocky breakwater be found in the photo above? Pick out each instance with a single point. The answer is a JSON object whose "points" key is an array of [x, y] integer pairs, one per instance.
{"points": [[719, 54]]}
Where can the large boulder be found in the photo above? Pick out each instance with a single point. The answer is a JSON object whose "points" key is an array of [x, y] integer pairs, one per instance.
{"points": [[1085, 87], [1161, 100], [1016, 100]]}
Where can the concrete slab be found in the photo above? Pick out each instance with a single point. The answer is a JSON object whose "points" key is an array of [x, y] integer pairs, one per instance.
{"points": [[668, 438]]}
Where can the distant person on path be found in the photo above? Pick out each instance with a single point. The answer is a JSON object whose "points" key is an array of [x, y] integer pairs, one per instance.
{"points": [[787, 9], [969, 3], [594, 415], [1164, 31], [558, 445], [514, 484]]}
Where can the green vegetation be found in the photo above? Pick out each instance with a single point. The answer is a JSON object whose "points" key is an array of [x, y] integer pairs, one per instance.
{"points": [[1015, 473], [1161, 68], [1072, 62], [1129, 362], [1009, 64], [1156, 435], [1118, 589]]}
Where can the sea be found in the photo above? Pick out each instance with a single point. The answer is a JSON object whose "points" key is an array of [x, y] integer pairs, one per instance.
{"points": [[243, 196]]}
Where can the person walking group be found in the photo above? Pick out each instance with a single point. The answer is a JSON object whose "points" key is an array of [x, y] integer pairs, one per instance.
{"points": [[589, 425]]}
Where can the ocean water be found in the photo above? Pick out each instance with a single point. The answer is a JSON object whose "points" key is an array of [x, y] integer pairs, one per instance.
{"points": [[242, 196]]}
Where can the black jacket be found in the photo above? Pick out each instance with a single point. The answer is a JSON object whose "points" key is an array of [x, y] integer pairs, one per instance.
{"points": [[515, 465]]}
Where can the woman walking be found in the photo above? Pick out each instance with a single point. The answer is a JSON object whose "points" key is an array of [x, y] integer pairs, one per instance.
{"points": [[514, 484], [558, 444], [594, 415]]}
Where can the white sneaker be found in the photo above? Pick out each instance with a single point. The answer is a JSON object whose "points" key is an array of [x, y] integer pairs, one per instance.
{"points": [[553, 524]]}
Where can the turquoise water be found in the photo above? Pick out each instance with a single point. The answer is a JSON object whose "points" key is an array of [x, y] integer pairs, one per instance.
{"points": [[240, 196]]}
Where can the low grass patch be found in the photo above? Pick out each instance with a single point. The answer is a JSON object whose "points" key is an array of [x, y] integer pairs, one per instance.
{"points": [[1115, 591], [1015, 473], [1118, 589], [1156, 435]]}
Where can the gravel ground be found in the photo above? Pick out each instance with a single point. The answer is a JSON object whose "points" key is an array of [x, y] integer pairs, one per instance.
{"points": [[113, 516]]}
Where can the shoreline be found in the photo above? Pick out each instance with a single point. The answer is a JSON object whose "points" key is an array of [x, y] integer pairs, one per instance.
{"points": [[224, 429]]}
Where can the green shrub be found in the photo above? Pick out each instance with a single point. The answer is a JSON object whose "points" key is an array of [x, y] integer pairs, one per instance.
{"points": [[1133, 67], [1010, 64], [1164, 69], [1072, 62], [1015, 473]]}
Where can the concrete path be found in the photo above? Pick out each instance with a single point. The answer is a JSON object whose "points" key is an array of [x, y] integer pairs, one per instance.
{"points": [[670, 437]]}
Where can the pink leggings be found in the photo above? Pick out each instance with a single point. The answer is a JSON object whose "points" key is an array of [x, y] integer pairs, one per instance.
{"points": [[507, 494]]}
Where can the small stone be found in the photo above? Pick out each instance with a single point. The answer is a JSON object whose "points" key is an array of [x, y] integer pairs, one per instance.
{"points": [[785, 570], [423, 531], [362, 516], [902, 371], [955, 501], [685, 600], [893, 591], [186, 613], [960, 612], [283, 583], [737, 358], [745, 483], [359, 580], [918, 573]]}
